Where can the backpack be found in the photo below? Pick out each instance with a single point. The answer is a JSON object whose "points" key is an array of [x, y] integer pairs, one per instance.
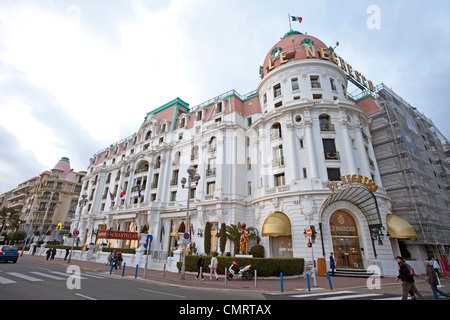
{"points": [[410, 269]]}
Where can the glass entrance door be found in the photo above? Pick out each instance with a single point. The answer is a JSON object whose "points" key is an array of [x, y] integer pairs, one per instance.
{"points": [[344, 233]]}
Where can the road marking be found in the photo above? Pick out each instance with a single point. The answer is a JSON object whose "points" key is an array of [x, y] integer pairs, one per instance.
{"points": [[83, 296], [391, 298], [23, 276], [352, 296], [319, 294], [93, 275], [168, 294], [65, 274], [6, 281], [47, 275]]}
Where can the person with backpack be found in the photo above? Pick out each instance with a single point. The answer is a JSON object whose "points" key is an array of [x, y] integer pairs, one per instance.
{"points": [[406, 275]]}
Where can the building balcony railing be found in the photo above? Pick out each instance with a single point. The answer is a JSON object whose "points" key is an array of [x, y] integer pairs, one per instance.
{"points": [[278, 162], [331, 155], [327, 128]]}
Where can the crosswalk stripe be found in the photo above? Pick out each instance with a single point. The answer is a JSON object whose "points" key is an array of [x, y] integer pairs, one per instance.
{"points": [[352, 296], [24, 276], [93, 275], [307, 295], [47, 275], [64, 274], [6, 281]]}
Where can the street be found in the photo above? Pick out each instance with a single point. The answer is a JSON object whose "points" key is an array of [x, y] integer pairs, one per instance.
{"points": [[26, 280]]}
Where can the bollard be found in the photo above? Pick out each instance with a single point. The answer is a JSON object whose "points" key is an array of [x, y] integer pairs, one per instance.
{"points": [[201, 273], [281, 281], [112, 265], [135, 275], [164, 271], [307, 281], [226, 275], [329, 281], [256, 273], [123, 271]]}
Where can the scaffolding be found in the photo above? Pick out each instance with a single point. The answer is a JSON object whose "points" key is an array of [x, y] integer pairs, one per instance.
{"points": [[413, 162]]}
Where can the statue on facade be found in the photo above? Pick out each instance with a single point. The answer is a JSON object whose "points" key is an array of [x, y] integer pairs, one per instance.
{"points": [[243, 238]]}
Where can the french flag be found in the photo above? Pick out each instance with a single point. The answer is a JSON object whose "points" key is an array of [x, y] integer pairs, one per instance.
{"points": [[299, 19], [122, 193]]}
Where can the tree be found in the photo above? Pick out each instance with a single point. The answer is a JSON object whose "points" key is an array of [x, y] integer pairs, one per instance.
{"points": [[223, 237], [13, 220], [207, 238], [235, 237]]}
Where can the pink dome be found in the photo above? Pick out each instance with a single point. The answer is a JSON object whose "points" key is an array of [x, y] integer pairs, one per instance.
{"points": [[292, 44], [63, 165]]}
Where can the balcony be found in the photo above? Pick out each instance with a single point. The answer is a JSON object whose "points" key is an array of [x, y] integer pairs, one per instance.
{"points": [[278, 162], [332, 155], [327, 128]]}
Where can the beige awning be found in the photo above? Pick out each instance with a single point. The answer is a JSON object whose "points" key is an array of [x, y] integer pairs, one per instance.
{"points": [[399, 228], [277, 224]]}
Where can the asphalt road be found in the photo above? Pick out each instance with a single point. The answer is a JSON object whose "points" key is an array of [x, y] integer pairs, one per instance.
{"points": [[33, 281]]}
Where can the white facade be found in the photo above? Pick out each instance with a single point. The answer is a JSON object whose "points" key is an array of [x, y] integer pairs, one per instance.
{"points": [[261, 158]]}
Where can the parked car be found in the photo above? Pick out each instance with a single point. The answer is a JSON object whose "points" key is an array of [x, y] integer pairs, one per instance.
{"points": [[9, 253]]}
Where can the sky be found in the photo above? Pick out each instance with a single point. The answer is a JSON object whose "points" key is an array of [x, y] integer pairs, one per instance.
{"points": [[79, 75]]}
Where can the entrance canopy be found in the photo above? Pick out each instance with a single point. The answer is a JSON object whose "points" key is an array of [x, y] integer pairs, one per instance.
{"points": [[399, 228], [360, 196], [278, 224]]}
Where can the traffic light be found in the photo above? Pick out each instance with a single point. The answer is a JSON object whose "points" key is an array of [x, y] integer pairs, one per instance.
{"points": [[309, 244]]}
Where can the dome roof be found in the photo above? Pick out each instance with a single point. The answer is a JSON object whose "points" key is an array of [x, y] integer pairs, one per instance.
{"points": [[63, 165], [291, 46]]}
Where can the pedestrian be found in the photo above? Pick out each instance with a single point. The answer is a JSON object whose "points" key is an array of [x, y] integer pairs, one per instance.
{"points": [[436, 266], [213, 267], [110, 258], [200, 264], [432, 279], [119, 259], [115, 259], [48, 253], [332, 263], [67, 253], [53, 254], [405, 275]]}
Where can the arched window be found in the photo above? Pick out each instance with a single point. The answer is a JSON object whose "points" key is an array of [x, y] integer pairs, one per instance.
{"points": [[212, 144], [55, 197], [276, 131], [325, 123], [148, 135]]}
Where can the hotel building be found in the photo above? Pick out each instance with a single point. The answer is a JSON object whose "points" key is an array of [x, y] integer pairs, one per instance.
{"points": [[296, 153]]}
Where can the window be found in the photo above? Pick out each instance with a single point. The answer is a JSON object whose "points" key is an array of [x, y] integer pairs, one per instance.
{"points": [[278, 159], [329, 149], [334, 174], [325, 123], [333, 84], [199, 116], [173, 196], [182, 122], [277, 90], [315, 82], [219, 107], [212, 144], [211, 187], [305, 173], [317, 96], [264, 98], [211, 167], [294, 83], [279, 179], [249, 188], [276, 131], [278, 104], [174, 180]]}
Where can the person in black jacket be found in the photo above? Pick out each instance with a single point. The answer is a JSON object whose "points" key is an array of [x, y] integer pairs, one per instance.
{"points": [[404, 274], [200, 264]]}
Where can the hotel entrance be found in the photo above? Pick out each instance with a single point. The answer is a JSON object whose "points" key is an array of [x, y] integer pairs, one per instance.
{"points": [[345, 236]]}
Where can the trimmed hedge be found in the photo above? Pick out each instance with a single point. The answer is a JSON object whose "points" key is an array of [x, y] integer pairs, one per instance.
{"points": [[266, 267]]}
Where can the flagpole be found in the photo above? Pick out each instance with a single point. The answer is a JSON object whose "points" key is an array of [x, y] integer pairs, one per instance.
{"points": [[289, 15]]}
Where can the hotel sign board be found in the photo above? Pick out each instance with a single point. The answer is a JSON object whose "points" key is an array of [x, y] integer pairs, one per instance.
{"points": [[353, 179], [119, 235]]}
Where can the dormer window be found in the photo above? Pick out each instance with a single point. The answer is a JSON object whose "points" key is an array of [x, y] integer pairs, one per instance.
{"points": [[219, 107], [199, 116]]}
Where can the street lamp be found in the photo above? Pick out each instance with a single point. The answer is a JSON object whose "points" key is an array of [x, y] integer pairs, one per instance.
{"points": [[193, 177], [81, 204]]}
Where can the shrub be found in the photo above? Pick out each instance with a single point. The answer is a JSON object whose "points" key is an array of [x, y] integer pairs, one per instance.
{"points": [[257, 251], [266, 267]]}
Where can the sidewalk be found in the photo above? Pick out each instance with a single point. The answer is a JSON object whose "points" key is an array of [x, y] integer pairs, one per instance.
{"points": [[296, 284]]}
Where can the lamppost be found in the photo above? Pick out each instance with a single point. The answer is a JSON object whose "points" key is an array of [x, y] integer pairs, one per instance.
{"points": [[193, 177], [81, 204]]}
